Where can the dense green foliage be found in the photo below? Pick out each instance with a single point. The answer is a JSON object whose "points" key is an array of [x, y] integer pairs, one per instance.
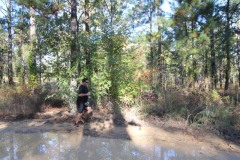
{"points": [[181, 62]]}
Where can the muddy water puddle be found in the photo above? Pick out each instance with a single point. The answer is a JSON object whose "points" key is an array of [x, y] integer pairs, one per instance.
{"points": [[74, 146]]}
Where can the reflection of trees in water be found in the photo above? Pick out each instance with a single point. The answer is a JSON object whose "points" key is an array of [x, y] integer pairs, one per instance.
{"points": [[116, 149], [18, 146], [5, 146], [75, 146], [57, 145]]}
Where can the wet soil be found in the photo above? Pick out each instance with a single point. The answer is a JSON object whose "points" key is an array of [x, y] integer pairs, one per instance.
{"points": [[127, 125]]}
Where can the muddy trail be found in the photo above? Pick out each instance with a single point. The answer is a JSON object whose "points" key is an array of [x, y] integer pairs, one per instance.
{"points": [[129, 129]]}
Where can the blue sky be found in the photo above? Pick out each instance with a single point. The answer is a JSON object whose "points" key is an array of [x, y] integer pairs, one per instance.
{"points": [[2, 5], [165, 7]]}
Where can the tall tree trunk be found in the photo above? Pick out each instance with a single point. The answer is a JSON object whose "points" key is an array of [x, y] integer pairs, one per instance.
{"points": [[10, 67], [227, 41], [194, 60], [1, 65], [151, 44], [213, 60], [57, 51], [87, 28], [160, 54], [238, 54], [206, 65], [221, 73], [40, 67], [206, 80], [23, 63], [73, 33], [32, 24], [111, 14], [186, 29], [32, 57]]}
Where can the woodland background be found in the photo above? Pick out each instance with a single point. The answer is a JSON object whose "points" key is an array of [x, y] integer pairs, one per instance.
{"points": [[183, 64]]}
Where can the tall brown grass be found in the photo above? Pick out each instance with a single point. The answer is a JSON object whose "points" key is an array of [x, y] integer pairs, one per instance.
{"points": [[19, 100], [211, 108]]}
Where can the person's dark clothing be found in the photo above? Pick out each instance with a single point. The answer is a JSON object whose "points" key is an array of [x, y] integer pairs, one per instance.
{"points": [[81, 101], [84, 90], [81, 107]]}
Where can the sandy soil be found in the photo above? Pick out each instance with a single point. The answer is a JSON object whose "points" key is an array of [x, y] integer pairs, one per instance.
{"points": [[130, 126]]}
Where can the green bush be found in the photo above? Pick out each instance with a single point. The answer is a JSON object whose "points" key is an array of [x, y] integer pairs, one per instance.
{"points": [[99, 86], [64, 91]]}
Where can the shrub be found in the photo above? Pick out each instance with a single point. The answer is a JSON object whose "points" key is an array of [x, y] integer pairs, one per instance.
{"points": [[207, 108], [19, 100], [66, 92]]}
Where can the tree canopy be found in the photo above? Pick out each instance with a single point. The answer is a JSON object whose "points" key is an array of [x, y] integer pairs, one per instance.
{"points": [[123, 46]]}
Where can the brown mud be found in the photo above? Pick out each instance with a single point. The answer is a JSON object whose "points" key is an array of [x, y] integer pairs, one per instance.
{"points": [[131, 126]]}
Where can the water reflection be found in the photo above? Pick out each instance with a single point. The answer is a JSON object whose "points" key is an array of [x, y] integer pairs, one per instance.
{"points": [[71, 146]]}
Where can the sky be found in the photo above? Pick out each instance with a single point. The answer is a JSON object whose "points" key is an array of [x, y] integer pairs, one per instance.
{"points": [[2, 5], [165, 7]]}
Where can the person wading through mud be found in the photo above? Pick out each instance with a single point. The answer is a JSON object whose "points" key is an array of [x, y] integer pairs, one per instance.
{"points": [[84, 111]]}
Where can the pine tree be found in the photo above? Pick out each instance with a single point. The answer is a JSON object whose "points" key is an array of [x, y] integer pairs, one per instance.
{"points": [[10, 52]]}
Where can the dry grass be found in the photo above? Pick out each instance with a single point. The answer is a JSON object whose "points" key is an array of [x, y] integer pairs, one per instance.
{"points": [[203, 107], [19, 100]]}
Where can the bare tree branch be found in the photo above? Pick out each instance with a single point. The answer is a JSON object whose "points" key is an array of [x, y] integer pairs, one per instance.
{"points": [[1, 9]]}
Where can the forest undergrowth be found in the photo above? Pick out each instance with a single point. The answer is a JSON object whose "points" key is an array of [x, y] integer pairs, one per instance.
{"points": [[216, 109]]}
